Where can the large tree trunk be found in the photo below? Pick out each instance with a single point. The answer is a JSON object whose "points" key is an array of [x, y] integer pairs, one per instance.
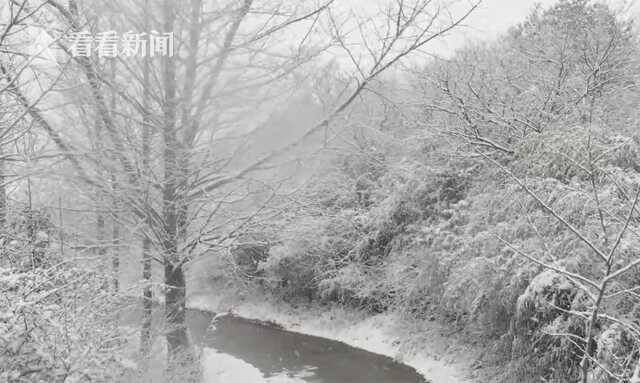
{"points": [[175, 300], [115, 234], [147, 296], [174, 280]]}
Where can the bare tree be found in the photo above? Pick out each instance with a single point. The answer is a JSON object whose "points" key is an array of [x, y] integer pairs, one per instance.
{"points": [[180, 188]]}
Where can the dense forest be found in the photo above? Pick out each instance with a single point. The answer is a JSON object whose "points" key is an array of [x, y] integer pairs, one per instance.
{"points": [[324, 156]]}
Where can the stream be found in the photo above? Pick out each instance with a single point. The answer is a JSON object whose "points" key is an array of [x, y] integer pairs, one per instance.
{"points": [[238, 350]]}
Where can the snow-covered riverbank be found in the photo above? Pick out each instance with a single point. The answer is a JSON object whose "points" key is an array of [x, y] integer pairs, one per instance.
{"points": [[431, 353]]}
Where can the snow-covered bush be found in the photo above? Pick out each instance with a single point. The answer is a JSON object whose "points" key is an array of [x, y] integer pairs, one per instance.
{"points": [[310, 250], [58, 324]]}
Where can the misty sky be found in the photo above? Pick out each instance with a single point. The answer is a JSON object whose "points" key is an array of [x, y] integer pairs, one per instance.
{"points": [[496, 16]]}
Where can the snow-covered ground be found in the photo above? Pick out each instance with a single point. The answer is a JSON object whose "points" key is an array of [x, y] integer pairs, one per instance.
{"points": [[435, 358]]}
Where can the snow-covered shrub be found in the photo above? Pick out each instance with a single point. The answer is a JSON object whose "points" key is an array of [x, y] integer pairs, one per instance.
{"points": [[58, 324], [548, 296], [480, 295], [310, 250], [247, 255]]}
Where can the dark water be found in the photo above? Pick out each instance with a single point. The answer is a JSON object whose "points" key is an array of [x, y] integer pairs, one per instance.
{"points": [[289, 357]]}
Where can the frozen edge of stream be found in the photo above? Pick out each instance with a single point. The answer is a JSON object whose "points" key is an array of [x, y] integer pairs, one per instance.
{"points": [[376, 334]]}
